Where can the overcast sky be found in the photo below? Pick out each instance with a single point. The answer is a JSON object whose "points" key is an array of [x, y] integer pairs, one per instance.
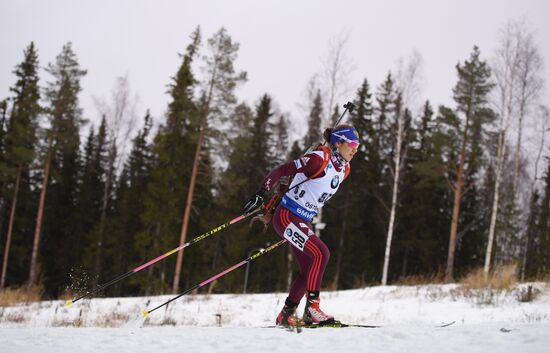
{"points": [[282, 43]]}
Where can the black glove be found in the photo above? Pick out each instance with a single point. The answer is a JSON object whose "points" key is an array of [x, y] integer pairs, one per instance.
{"points": [[255, 201]]}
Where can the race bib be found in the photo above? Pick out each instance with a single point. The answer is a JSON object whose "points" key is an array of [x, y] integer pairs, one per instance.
{"points": [[296, 236]]}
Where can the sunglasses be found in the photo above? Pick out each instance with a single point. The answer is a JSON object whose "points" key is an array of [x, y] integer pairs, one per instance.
{"points": [[351, 143]]}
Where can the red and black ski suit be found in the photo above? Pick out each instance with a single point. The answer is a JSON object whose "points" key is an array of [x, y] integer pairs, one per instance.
{"points": [[315, 255]]}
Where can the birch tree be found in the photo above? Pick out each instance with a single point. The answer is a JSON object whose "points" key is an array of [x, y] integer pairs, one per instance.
{"points": [[407, 87], [120, 115], [516, 68], [530, 83], [543, 120], [505, 70], [337, 68]]}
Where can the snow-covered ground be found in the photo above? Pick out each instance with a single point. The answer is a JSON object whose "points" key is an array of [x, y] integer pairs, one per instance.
{"points": [[484, 321]]}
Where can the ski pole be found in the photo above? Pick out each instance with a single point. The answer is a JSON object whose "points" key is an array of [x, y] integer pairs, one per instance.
{"points": [[223, 273], [145, 265]]}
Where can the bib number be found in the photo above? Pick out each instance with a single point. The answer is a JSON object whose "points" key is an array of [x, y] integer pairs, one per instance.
{"points": [[296, 236], [324, 197]]}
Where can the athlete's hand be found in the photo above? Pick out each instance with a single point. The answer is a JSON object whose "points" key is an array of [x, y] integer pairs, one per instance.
{"points": [[255, 201]]}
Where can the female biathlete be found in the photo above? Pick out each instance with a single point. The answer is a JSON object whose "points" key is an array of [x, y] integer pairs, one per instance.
{"points": [[318, 175]]}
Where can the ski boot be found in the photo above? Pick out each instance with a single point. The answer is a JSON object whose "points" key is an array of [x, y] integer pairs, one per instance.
{"points": [[313, 313], [287, 317]]}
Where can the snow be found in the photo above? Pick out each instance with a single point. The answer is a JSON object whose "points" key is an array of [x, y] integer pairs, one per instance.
{"points": [[485, 321]]}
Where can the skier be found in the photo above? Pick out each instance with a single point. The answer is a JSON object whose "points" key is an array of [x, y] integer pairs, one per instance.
{"points": [[318, 175]]}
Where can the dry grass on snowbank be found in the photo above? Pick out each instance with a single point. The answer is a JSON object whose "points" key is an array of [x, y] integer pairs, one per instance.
{"points": [[487, 288], [437, 277], [20, 295], [504, 277]]}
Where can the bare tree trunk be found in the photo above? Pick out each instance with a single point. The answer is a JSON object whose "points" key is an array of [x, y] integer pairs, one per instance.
{"points": [[505, 70], [337, 69], [408, 88], [517, 70], [496, 195], [530, 85], [10, 227], [121, 121], [38, 229], [188, 205], [456, 205], [194, 172], [222, 79], [452, 239], [397, 172], [106, 191], [517, 157]]}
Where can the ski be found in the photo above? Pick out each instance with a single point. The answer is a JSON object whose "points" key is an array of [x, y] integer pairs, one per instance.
{"points": [[336, 324], [446, 324]]}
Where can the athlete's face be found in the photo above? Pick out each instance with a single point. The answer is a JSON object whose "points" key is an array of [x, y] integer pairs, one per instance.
{"points": [[347, 150]]}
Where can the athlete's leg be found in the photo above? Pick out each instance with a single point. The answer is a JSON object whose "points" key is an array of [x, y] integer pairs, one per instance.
{"points": [[312, 257]]}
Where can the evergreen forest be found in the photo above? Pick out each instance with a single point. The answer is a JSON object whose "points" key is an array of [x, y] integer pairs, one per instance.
{"points": [[82, 203]]}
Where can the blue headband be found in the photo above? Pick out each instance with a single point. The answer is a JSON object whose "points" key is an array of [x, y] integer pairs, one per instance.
{"points": [[345, 134]]}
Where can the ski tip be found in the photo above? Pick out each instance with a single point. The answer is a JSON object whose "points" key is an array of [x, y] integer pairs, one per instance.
{"points": [[145, 313], [69, 303]]}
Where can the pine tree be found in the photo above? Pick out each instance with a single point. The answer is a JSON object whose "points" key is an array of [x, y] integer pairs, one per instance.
{"points": [[217, 100], [335, 115], [171, 160], [315, 119], [260, 149], [345, 216], [281, 146], [249, 162], [91, 183], [380, 152], [424, 211], [262, 161], [385, 109], [63, 159], [94, 175], [235, 183], [470, 94], [20, 144], [124, 223]]}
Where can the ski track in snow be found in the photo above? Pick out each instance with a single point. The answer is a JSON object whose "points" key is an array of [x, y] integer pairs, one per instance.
{"points": [[474, 338]]}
